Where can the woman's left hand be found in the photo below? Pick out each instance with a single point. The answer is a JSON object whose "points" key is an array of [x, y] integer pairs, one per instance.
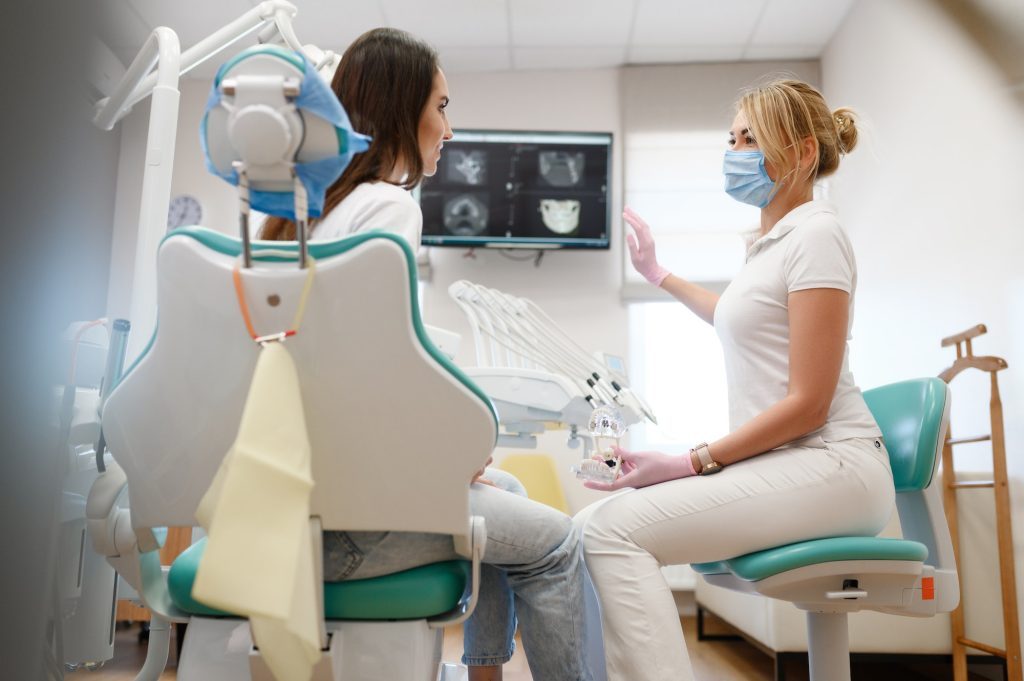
{"points": [[640, 469]]}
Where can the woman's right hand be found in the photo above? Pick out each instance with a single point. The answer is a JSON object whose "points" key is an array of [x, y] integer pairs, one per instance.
{"points": [[641, 249], [640, 469]]}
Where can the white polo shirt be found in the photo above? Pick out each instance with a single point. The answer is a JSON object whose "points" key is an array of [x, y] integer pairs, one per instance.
{"points": [[806, 249], [373, 205]]}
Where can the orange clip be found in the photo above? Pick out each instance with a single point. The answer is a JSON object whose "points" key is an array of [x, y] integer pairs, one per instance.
{"points": [[927, 588]]}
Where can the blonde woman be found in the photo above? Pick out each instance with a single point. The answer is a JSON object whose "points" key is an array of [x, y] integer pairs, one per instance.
{"points": [[804, 456]]}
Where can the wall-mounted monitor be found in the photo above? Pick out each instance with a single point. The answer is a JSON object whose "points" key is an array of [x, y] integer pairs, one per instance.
{"points": [[505, 189]]}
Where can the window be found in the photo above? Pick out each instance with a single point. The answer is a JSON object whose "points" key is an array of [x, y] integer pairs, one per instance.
{"points": [[676, 365], [674, 181]]}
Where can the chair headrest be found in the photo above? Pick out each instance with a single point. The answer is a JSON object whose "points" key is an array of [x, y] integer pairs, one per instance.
{"points": [[271, 116]]}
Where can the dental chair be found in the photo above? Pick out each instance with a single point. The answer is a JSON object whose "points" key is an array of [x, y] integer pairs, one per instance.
{"points": [[915, 576], [395, 430]]}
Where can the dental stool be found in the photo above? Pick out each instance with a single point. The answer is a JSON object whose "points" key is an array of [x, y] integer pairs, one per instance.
{"points": [[395, 430], [915, 576]]}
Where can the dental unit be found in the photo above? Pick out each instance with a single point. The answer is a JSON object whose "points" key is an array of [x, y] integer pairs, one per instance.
{"points": [[540, 378]]}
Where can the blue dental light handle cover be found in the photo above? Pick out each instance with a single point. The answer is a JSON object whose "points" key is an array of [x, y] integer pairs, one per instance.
{"points": [[315, 97]]}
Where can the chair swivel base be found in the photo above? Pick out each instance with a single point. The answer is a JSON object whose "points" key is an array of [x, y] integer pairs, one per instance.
{"points": [[222, 648]]}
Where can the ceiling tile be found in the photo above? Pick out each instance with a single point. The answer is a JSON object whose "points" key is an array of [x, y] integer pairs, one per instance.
{"points": [[799, 22], [684, 54], [556, 58], [333, 25], [119, 25], [763, 52], [473, 59], [192, 20], [571, 22], [455, 23], [689, 22]]}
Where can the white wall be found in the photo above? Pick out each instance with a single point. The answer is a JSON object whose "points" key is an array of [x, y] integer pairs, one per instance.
{"points": [[932, 203], [217, 198]]}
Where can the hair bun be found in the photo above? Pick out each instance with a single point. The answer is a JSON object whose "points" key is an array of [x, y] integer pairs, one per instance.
{"points": [[846, 129]]}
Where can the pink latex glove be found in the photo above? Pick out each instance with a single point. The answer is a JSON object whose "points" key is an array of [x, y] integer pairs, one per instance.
{"points": [[641, 249], [640, 469]]}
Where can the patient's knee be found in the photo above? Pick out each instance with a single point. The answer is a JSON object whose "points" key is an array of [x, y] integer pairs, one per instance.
{"points": [[505, 480]]}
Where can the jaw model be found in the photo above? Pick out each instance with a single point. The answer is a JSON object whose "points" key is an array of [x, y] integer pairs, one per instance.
{"points": [[561, 217]]}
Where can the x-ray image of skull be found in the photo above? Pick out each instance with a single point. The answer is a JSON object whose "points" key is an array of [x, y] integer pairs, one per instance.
{"points": [[465, 215], [561, 217], [466, 167], [561, 168]]}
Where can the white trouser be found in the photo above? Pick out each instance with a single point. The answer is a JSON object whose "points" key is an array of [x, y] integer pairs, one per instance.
{"points": [[783, 496]]}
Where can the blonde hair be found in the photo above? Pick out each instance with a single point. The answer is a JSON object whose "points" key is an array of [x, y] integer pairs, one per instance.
{"points": [[784, 112]]}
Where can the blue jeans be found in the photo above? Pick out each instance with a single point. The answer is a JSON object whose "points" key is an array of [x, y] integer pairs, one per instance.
{"points": [[533, 573]]}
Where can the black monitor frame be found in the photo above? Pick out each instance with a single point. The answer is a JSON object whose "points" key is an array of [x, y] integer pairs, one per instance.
{"points": [[516, 194]]}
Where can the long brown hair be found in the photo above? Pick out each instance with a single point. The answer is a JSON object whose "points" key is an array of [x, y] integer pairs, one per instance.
{"points": [[384, 81]]}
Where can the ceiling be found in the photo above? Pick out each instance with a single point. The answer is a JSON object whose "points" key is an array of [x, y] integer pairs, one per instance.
{"points": [[498, 35]]}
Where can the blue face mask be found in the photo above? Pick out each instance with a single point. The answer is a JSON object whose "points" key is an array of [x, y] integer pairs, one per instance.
{"points": [[746, 180]]}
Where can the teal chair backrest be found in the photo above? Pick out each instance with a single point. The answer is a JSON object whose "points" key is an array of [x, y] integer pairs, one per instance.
{"points": [[910, 414]]}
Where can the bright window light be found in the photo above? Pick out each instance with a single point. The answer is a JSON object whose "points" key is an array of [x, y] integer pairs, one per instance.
{"points": [[676, 365]]}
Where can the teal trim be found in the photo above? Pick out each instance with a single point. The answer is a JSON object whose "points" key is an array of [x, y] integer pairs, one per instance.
{"points": [[421, 592], [321, 250], [342, 136], [182, 576], [715, 568], [910, 416], [762, 564], [425, 591], [274, 50]]}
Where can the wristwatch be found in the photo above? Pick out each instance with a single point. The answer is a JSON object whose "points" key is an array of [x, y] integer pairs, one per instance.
{"points": [[707, 464]]}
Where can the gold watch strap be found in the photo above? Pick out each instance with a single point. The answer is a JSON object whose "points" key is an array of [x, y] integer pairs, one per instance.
{"points": [[704, 455]]}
